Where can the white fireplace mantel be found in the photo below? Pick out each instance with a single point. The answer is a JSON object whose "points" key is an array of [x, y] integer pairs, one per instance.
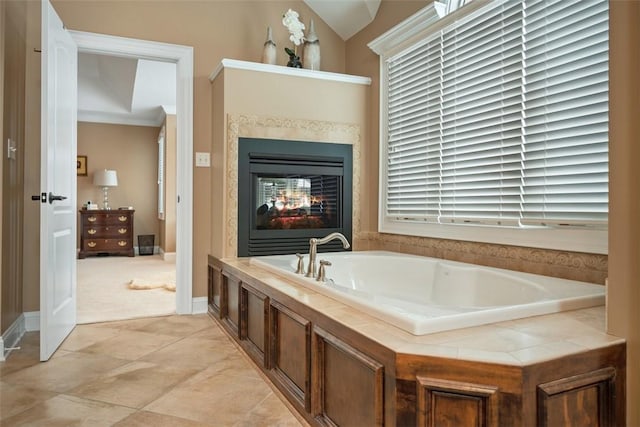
{"points": [[289, 71]]}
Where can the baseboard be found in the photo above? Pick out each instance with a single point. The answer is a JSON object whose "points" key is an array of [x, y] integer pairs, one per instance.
{"points": [[31, 321], [12, 336], [199, 305], [169, 256]]}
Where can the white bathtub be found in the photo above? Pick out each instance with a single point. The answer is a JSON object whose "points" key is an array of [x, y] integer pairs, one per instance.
{"points": [[425, 295]]}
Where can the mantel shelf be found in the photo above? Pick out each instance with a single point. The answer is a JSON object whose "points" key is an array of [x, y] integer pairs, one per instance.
{"points": [[297, 72]]}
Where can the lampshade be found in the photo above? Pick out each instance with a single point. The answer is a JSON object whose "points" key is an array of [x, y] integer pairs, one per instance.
{"points": [[105, 178]]}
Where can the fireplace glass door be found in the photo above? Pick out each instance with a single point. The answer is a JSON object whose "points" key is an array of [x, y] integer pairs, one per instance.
{"points": [[296, 202]]}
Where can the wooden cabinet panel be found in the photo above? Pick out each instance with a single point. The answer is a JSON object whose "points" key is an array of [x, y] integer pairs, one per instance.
{"points": [[106, 232], [455, 404], [254, 321], [231, 302], [214, 289], [585, 400], [348, 386], [290, 360]]}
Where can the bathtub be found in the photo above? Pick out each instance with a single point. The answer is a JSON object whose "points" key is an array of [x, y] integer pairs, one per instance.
{"points": [[425, 295]]}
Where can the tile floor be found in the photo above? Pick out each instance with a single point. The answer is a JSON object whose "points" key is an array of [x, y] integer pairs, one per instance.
{"points": [[161, 371]]}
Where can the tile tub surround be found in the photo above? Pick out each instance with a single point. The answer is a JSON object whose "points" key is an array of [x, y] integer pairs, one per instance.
{"points": [[184, 369], [557, 369], [583, 267]]}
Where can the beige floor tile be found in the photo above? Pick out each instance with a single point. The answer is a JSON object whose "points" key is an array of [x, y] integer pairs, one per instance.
{"points": [[64, 373], [270, 412], [133, 385], [126, 324], [214, 332], [16, 398], [65, 410], [28, 355], [193, 353], [178, 326], [211, 397], [130, 345], [146, 419], [85, 335]]}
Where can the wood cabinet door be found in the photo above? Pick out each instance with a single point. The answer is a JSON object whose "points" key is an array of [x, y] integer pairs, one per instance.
{"points": [[290, 348], [254, 323], [455, 404], [214, 289], [584, 400], [230, 305], [348, 385]]}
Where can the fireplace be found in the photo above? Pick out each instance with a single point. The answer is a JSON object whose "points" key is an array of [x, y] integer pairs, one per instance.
{"points": [[291, 191]]}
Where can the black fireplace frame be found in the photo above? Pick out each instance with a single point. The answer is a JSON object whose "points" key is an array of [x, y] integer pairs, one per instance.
{"points": [[269, 156]]}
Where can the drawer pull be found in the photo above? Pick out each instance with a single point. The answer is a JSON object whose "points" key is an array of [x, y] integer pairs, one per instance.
{"points": [[92, 219], [92, 231], [122, 243], [92, 244], [122, 218], [122, 230]]}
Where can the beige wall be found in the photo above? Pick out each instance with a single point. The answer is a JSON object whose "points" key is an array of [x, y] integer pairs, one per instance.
{"points": [[31, 240], [15, 48], [167, 241], [624, 191], [132, 151], [3, 36]]}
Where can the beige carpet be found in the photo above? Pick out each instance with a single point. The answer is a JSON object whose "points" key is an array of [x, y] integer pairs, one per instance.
{"points": [[107, 288]]}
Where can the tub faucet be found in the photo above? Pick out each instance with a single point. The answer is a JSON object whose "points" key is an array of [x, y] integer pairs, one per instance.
{"points": [[313, 249]]}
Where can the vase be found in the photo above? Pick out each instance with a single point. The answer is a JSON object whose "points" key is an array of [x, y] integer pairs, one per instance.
{"points": [[311, 54], [294, 59], [269, 51]]}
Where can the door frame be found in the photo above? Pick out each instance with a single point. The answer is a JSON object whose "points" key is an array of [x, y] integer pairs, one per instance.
{"points": [[182, 56]]}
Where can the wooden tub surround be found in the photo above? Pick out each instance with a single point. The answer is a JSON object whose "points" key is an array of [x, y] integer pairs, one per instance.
{"points": [[339, 366]]}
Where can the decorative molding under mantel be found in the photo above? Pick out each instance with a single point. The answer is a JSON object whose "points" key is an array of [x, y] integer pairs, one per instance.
{"points": [[288, 71]]}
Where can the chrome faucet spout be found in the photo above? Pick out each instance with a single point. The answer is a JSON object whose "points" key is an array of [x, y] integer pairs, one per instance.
{"points": [[313, 249]]}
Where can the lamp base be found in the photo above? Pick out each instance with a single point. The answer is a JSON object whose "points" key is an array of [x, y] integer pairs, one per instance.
{"points": [[105, 202]]}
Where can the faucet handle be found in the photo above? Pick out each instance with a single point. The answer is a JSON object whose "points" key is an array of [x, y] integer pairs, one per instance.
{"points": [[300, 267], [322, 269]]}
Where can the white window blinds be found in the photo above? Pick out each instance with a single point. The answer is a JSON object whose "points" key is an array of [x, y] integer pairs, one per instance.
{"points": [[501, 118], [566, 112]]}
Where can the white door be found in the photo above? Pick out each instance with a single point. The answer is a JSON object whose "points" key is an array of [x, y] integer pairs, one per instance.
{"points": [[57, 183]]}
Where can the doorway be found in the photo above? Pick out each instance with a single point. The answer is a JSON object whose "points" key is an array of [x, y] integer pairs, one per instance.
{"points": [[182, 57]]}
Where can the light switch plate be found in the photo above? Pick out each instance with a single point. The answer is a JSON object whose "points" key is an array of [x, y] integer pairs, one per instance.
{"points": [[203, 160]]}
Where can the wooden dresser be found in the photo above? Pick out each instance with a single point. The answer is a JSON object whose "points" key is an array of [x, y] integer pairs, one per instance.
{"points": [[106, 232]]}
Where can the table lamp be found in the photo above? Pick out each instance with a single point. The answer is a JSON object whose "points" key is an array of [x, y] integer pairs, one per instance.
{"points": [[105, 179]]}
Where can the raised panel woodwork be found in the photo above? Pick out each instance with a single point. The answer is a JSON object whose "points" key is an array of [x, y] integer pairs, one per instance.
{"points": [[231, 295], [106, 232], [348, 385], [290, 360], [583, 400], [214, 289], [254, 321], [455, 404]]}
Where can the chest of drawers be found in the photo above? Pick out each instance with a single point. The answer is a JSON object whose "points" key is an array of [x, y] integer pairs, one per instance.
{"points": [[106, 232]]}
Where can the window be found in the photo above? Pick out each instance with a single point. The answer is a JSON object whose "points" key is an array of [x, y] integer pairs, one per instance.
{"points": [[495, 125]]}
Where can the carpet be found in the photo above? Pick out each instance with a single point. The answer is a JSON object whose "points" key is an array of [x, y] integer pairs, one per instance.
{"points": [[104, 292]]}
